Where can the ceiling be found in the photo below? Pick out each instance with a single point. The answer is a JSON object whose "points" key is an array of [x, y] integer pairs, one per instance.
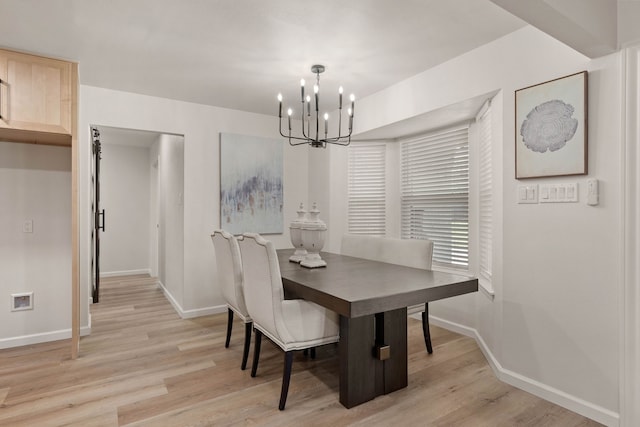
{"points": [[240, 54]]}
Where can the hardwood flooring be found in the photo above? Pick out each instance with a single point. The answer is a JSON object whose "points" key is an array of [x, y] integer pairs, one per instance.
{"points": [[143, 365]]}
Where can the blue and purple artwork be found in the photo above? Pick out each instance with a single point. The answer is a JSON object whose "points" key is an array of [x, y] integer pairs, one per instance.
{"points": [[251, 195]]}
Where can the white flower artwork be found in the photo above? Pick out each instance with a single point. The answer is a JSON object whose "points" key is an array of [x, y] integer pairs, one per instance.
{"points": [[551, 133]]}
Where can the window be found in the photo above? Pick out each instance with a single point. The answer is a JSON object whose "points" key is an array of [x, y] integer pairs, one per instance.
{"points": [[434, 193], [366, 189], [485, 189]]}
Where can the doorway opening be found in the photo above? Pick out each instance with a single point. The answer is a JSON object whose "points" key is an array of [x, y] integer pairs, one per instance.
{"points": [[137, 203]]}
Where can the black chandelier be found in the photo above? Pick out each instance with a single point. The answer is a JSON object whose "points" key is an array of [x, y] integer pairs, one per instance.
{"points": [[306, 137]]}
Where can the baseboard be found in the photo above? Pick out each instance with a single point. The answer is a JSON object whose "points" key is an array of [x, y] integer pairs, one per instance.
{"points": [[190, 314], [23, 340], [125, 273], [543, 391]]}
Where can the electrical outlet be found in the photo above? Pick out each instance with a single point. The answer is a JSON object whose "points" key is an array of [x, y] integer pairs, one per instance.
{"points": [[22, 301]]}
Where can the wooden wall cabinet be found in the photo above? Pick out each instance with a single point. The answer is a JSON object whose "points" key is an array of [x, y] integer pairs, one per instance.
{"points": [[36, 97]]}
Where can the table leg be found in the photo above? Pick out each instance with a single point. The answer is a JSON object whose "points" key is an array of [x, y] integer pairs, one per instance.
{"points": [[394, 334], [357, 365], [362, 375]]}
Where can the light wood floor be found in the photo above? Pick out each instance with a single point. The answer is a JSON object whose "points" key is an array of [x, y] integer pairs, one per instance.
{"points": [[143, 365]]}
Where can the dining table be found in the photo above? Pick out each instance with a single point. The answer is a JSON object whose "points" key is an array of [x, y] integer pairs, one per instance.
{"points": [[371, 298]]}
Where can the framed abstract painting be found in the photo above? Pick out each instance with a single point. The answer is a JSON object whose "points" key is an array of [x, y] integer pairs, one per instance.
{"points": [[551, 128], [251, 196]]}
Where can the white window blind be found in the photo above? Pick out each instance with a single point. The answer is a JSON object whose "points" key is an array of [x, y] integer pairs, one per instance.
{"points": [[366, 188], [485, 187], [435, 193]]}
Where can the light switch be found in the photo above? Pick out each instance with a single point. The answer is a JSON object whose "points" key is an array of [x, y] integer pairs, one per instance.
{"points": [[27, 226], [562, 193], [544, 192], [528, 194]]}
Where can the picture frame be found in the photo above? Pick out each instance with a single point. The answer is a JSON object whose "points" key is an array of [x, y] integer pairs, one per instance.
{"points": [[251, 184], [551, 128]]}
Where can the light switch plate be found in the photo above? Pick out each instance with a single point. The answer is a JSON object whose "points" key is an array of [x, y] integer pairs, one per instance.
{"points": [[27, 226], [559, 193], [528, 194]]}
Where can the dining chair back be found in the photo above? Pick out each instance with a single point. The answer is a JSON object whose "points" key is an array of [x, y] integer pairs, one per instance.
{"points": [[230, 279], [293, 324], [416, 253]]}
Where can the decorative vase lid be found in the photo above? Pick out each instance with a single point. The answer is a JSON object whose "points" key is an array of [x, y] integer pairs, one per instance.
{"points": [[301, 219], [314, 222]]}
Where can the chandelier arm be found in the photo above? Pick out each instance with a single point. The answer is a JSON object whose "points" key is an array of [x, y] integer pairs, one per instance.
{"points": [[342, 142], [297, 138], [302, 120], [280, 128], [339, 138], [293, 144]]}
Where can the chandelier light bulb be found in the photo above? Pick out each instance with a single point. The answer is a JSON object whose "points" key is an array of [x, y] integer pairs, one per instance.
{"points": [[315, 88], [289, 111], [280, 97], [340, 90], [301, 82], [349, 111], [308, 98], [352, 97], [326, 116]]}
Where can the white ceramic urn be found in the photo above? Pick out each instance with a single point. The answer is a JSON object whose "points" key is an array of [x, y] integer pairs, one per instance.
{"points": [[295, 231], [314, 232]]}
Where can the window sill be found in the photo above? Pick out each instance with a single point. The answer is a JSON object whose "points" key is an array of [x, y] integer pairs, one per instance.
{"points": [[486, 288]]}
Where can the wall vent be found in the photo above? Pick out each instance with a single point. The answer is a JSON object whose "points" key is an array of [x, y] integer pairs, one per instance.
{"points": [[22, 301]]}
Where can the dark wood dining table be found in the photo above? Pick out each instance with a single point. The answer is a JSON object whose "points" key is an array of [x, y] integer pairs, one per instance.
{"points": [[371, 298]]}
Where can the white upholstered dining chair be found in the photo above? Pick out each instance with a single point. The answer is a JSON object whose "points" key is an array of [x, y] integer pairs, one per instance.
{"points": [[230, 278], [416, 253], [293, 324]]}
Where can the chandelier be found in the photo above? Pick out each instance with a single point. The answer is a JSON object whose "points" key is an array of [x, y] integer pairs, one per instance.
{"points": [[306, 135]]}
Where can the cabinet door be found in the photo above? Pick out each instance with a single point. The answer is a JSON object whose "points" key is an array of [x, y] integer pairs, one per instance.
{"points": [[35, 93]]}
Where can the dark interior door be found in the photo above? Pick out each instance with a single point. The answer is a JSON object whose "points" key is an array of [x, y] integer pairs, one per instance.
{"points": [[98, 214]]}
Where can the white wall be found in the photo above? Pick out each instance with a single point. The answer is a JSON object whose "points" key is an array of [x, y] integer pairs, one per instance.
{"points": [[201, 126], [553, 326], [171, 215], [35, 184], [125, 197], [154, 208]]}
